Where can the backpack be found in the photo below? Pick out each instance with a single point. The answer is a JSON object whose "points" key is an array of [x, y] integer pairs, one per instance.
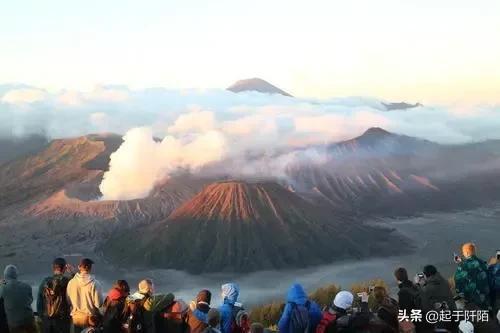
{"points": [[299, 318], [134, 317], [172, 318], [240, 320], [54, 292], [326, 320]]}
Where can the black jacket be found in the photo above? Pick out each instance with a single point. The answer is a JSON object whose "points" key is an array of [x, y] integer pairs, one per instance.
{"points": [[408, 296], [436, 290], [4, 328], [114, 316]]}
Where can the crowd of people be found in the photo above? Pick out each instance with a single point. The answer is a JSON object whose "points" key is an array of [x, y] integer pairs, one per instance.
{"points": [[69, 301]]}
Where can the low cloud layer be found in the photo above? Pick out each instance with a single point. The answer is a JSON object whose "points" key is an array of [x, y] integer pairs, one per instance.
{"points": [[201, 127], [27, 110]]}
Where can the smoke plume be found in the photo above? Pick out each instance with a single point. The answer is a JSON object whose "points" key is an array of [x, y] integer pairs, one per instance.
{"points": [[141, 162]]}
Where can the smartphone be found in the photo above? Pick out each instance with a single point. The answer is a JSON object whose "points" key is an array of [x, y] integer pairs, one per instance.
{"points": [[456, 258], [498, 254]]}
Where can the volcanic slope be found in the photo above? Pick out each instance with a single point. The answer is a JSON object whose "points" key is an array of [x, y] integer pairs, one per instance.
{"points": [[49, 201], [389, 174], [243, 226]]}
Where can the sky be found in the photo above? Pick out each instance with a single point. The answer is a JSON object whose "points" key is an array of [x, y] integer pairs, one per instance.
{"points": [[444, 51]]}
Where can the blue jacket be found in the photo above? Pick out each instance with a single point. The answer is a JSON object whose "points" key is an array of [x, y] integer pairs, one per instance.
{"points": [[200, 315], [297, 295], [230, 292]]}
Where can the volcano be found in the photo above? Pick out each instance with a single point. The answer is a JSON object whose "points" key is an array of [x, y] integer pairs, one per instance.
{"points": [[388, 174], [50, 199], [256, 84], [50, 203], [243, 226]]}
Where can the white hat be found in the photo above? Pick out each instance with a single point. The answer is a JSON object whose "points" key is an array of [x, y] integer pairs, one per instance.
{"points": [[343, 300], [466, 327]]}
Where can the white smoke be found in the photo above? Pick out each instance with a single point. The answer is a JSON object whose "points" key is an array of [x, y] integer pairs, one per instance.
{"points": [[141, 162]]}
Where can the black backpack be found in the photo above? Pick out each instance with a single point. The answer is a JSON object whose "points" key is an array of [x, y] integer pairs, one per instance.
{"points": [[133, 317], [171, 319], [299, 318], [54, 292]]}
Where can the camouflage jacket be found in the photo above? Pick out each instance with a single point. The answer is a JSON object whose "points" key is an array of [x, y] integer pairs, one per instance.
{"points": [[471, 280]]}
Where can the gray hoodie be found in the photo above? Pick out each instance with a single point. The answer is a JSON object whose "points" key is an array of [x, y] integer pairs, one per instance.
{"points": [[84, 294], [17, 298]]}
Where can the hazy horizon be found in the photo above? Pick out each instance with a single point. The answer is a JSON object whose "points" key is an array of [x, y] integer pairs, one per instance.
{"points": [[415, 51]]}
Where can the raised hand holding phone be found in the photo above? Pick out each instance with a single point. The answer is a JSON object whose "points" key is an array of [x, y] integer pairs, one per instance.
{"points": [[364, 296]]}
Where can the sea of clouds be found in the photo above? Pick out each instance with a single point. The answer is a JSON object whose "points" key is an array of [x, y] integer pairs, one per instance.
{"points": [[167, 129]]}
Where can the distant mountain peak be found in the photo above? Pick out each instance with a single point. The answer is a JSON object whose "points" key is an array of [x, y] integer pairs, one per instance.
{"points": [[400, 106], [376, 131], [256, 84]]}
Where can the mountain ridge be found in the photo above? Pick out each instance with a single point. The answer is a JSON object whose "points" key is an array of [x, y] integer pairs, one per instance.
{"points": [[258, 85]]}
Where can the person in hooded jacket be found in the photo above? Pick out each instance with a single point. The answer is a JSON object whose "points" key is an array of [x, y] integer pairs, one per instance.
{"points": [[197, 315], [230, 294], [17, 297], [84, 295], [297, 297], [114, 305]]}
